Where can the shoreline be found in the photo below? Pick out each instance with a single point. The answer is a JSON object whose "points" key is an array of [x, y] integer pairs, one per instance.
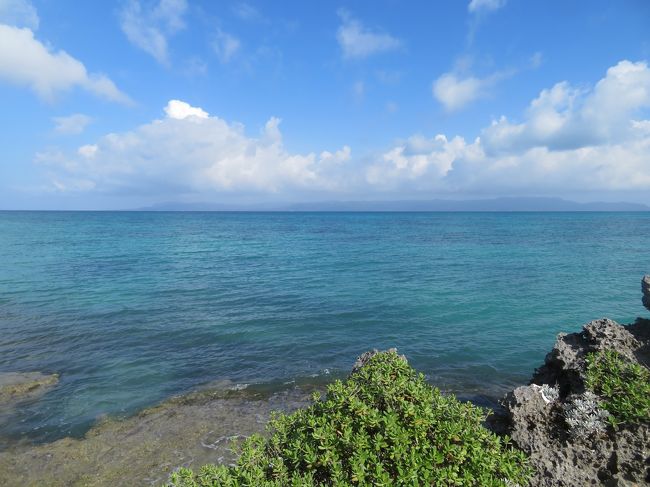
{"points": [[199, 427], [485, 397], [185, 430], [144, 449]]}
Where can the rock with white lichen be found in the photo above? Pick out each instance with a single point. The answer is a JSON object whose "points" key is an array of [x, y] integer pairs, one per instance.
{"points": [[564, 427]]}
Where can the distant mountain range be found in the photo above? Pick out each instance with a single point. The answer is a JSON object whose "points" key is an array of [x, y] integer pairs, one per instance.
{"points": [[494, 204]]}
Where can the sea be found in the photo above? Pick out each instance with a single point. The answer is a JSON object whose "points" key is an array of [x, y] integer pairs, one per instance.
{"points": [[131, 308]]}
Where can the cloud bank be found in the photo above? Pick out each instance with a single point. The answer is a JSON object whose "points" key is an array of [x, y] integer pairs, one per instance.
{"points": [[191, 151], [569, 139]]}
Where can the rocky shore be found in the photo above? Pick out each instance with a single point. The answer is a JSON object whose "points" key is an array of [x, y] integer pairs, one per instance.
{"points": [[145, 449], [538, 415], [555, 419], [561, 425]]}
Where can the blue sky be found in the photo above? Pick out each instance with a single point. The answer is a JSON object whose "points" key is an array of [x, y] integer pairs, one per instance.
{"points": [[109, 105]]}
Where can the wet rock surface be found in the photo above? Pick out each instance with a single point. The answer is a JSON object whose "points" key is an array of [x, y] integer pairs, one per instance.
{"points": [[645, 288], [189, 430], [21, 386], [537, 423]]}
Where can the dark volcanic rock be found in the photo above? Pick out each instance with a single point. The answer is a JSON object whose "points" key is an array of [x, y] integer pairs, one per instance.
{"points": [[536, 414], [645, 287]]}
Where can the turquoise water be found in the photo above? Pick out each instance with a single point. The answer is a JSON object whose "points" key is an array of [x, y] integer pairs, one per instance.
{"points": [[131, 308]]}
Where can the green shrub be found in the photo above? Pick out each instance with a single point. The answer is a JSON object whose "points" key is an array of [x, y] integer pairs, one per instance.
{"points": [[624, 385], [383, 426]]}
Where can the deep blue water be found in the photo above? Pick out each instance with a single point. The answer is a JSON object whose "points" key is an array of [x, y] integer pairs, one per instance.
{"points": [[131, 308]]}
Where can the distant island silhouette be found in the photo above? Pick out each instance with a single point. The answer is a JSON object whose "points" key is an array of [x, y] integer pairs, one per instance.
{"points": [[493, 204]]}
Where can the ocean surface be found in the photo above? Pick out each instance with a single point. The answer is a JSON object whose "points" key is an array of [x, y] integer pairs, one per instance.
{"points": [[131, 308]]}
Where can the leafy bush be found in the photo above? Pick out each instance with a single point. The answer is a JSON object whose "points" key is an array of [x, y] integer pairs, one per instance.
{"points": [[383, 426], [623, 384]]}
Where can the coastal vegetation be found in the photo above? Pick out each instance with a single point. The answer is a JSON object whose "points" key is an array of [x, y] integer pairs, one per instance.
{"points": [[384, 425], [624, 385]]}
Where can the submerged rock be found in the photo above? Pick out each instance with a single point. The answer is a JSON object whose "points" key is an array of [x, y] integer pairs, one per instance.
{"points": [[20, 386], [564, 431], [189, 430]]}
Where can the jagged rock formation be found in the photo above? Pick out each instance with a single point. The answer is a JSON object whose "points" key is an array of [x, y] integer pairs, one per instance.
{"points": [[538, 414], [645, 287]]}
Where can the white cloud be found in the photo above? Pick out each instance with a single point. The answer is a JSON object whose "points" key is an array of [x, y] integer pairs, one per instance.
{"points": [[190, 151], [571, 140], [72, 124], [225, 46], [358, 41], [26, 61], [149, 28], [454, 92], [419, 163], [593, 139], [180, 110], [564, 117], [478, 6], [19, 13]]}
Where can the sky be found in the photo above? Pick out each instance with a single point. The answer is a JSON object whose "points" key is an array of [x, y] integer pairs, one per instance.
{"points": [[130, 103]]}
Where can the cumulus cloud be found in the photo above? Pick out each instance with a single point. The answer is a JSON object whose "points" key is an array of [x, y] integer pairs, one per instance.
{"points": [[26, 61], [72, 124], [566, 117], [572, 139], [225, 46], [19, 13], [418, 162], [180, 110], [478, 6], [587, 139], [148, 27], [191, 151], [357, 41]]}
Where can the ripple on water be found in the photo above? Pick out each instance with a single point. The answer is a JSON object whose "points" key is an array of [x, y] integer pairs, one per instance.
{"points": [[132, 308]]}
